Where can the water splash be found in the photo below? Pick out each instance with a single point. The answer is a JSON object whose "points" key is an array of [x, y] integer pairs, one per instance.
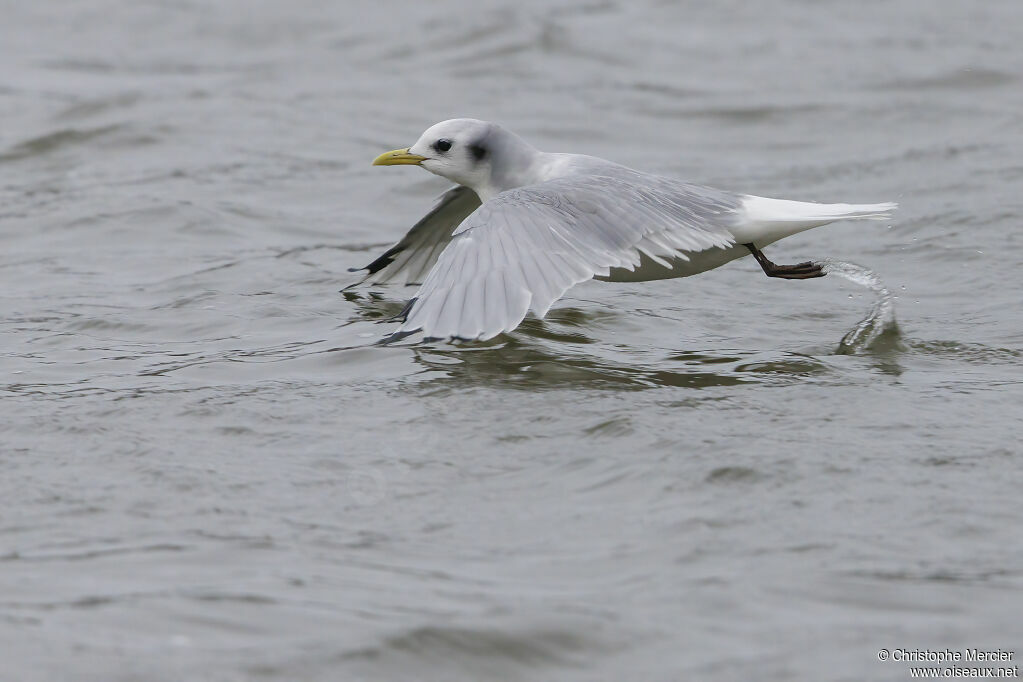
{"points": [[881, 318]]}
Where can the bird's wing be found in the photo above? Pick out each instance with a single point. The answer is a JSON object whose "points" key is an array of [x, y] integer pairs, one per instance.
{"points": [[525, 247], [412, 257]]}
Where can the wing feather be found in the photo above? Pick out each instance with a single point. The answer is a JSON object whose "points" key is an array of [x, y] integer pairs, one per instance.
{"points": [[417, 252], [523, 249]]}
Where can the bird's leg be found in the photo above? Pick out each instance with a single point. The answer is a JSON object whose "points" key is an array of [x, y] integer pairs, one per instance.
{"points": [[806, 270]]}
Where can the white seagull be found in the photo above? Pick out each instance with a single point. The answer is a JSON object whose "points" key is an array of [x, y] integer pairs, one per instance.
{"points": [[524, 226]]}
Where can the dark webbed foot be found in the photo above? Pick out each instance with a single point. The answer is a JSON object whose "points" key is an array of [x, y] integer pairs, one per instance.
{"points": [[805, 270]]}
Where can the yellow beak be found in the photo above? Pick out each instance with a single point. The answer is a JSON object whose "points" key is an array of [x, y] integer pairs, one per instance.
{"points": [[398, 157]]}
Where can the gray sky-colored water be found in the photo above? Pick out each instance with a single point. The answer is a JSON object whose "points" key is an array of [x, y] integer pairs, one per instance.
{"points": [[210, 473]]}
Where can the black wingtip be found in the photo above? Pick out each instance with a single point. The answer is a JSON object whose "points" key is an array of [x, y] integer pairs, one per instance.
{"points": [[396, 336], [351, 286], [403, 315], [384, 260]]}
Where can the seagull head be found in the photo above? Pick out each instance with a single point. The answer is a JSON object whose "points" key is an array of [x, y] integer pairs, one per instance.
{"points": [[480, 155]]}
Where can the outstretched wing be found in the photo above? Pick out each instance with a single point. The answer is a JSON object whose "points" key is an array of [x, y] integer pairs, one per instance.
{"points": [[412, 257], [525, 247]]}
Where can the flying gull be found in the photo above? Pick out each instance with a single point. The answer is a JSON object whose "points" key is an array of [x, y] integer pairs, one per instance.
{"points": [[523, 226]]}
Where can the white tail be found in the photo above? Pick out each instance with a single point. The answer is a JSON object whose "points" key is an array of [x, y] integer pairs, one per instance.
{"points": [[768, 220]]}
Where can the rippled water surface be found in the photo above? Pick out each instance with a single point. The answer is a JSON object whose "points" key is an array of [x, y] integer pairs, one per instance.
{"points": [[210, 473]]}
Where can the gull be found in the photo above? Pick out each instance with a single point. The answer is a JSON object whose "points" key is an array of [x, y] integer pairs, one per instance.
{"points": [[523, 226]]}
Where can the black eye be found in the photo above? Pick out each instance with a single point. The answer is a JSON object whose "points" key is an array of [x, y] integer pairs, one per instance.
{"points": [[442, 145]]}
